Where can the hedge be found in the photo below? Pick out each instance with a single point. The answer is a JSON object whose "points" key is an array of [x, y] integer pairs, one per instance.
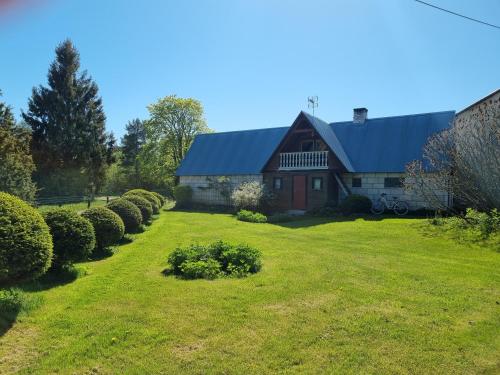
{"points": [[25, 241], [150, 197], [73, 236], [143, 205], [128, 212], [108, 226]]}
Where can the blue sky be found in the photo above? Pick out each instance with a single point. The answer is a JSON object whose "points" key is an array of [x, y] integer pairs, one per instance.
{"points": [[253, 63]]}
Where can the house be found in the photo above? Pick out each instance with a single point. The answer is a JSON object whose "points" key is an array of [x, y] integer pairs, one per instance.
{"points": [[313, 162]]}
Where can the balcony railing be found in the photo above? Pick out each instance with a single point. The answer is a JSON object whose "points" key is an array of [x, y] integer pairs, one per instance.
{"points": [[303, 160]]}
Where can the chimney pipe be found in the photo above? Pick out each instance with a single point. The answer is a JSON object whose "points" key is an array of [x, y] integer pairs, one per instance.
{"points": [[359, 115]]}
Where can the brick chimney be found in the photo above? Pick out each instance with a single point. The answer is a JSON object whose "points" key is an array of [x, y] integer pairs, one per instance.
{"points": [[359, 115]]}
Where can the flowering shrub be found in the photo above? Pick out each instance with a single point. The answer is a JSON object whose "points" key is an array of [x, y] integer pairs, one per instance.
{"points": [[248, 195]]}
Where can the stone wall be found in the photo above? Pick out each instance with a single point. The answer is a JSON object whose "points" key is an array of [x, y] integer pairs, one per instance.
{"points": [[202, 193], [372, 185]]}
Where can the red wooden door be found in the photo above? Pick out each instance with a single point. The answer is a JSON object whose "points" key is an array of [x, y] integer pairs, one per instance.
{"points": [[299, 193]]}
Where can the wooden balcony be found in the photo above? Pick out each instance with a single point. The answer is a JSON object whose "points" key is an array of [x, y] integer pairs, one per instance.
{"points": [[290, 161]]}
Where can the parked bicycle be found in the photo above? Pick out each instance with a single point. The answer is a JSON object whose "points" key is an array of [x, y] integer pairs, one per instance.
{"points": [[381, 204]]}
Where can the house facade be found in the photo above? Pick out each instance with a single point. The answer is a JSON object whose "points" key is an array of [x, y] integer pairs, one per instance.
{"points": [[312, 162]]}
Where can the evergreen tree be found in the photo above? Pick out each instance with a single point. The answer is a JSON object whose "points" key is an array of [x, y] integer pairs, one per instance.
{"points": [[16, 163], [131, 144], [70, 146]]}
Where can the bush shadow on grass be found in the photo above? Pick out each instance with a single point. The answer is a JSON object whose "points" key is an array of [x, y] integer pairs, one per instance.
{"points": [[305, 221], [10, 307], [53, 278]]}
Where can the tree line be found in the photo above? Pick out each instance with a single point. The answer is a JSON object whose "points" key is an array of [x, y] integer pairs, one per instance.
{"points": [[61, 145]]}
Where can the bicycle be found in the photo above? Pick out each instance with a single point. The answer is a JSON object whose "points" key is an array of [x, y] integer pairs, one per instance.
{"points": [[399, 207]]}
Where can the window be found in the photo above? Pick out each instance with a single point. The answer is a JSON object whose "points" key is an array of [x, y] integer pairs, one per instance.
{"points": [[317, 183], [393, 182], [356, 182], [278, 183]]}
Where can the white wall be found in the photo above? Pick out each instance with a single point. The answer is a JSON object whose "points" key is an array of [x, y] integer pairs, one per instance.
{"points": [[372, 185], [203, 194]]}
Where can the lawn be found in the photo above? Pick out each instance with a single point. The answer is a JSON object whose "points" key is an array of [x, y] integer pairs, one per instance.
{"points": [[359, 296]]}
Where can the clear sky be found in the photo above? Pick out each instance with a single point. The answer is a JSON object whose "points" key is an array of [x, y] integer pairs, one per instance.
{"points": [[253, 63]]}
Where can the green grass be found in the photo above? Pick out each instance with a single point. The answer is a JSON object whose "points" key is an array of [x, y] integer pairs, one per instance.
{"points": [[355, 297]]}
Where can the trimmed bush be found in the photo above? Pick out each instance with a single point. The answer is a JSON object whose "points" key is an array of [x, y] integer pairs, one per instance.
{"points": [[128, 212], [355, 204], [251, 217], [25, 241], [143, 205], [183, 195], [150, 197], [217, 259], [160, 197], [108, 226], [73, 237]]}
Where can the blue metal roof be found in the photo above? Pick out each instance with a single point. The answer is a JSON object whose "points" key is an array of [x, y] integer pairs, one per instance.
{"points": [[231, 153], [387, 144], [379, 145]]}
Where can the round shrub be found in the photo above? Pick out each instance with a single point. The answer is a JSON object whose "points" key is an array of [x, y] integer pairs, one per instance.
{"points": [[128, 212], [355, 204], [214, 260], [73, 236], [155, 203], [160, 197], [143, 205], [25, 241], [183, 195], [108, 226], [251, 217]]}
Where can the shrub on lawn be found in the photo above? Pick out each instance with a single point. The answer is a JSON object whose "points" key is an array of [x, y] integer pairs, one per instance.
{"points": [[108, 226], [252, 217], [160, 198], [236, 260], [214, 260], [474, 226], [355, 204], [143, 205], [128, 212], [25, 241], [73, 237], [183, 195], [486, 222], [150, 197]]}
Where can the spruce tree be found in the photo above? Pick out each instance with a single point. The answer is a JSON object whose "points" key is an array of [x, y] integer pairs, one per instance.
{"points": [[70, 146], [131, 145], [16, 163]]}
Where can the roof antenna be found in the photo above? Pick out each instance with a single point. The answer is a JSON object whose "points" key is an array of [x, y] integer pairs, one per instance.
{"points": [[312, 102]]}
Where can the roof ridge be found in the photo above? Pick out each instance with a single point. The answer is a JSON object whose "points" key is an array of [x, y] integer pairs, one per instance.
{"points": [[245, 130], [398, 116]]}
